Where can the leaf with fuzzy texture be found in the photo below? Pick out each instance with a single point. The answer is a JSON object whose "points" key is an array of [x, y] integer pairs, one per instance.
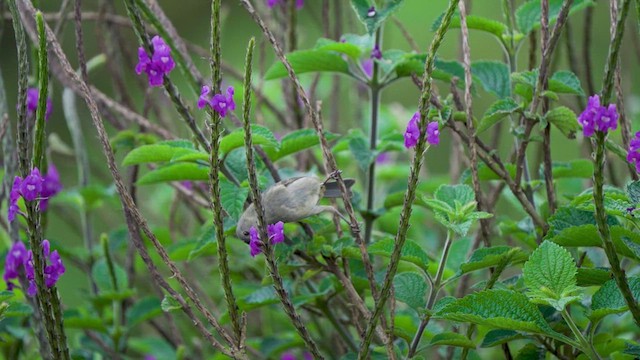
{"points": [[411, 289], [608, 299]]}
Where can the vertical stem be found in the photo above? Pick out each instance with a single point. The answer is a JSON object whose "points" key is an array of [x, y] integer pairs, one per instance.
{"points": [[587, 347], [373, 140], [214, 180], [410, 194]]}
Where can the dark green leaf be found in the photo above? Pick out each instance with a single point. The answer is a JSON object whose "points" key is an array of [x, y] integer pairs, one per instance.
{"points": [[528, 15], [103, 277], [497, 112], [169, 304], [233, 198], [494, 77], [565, 82], [452, 339], [372, 20], [608, 299], [360, 150], [491, 256], [143, 310], [633, 192], [498, 337], [411, 289], [74, 319], [531, 352], [206, 241], [411, 252]]}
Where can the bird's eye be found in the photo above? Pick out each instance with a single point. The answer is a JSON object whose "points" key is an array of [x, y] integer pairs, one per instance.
{"points": [[246, 233]]}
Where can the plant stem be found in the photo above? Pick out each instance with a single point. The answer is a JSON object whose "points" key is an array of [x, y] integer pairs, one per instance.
{"points": [[373, 141], [410, 194], [433, 294], [586, 347]]}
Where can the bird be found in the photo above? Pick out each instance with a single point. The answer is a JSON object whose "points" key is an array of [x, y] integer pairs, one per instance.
{"points": [[292, 200]]}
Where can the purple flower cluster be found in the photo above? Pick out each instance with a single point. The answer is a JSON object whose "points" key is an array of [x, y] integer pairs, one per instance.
{"points": [[34, 187], [272, 3], [218, 102], [33, 95], [412, 133], [367, 65], [633, 156], [161, 63], [19, 258], [289, 355], [275, 233], [597, 117]]}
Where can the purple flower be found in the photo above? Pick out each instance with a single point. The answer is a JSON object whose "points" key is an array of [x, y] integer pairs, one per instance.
{"points": [[367, 67], [307, 356], [288, 356], [255, 244], [633, 156], [33, 95], [149, 357], [219, 102], [31, 186], [14, 195], [597, 117], [161, 63], [371, 12], [53, 268], [412, 133], [272, 3], [15, 260], [376, 53], [51, 186], [276, 232], [383, 158]]}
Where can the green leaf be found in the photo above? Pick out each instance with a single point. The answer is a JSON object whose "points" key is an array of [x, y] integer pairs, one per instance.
{"points": [[296, 141], [449, 338], [476, 23], [143, 310], [305, 61], [206, 240], [565, 82], [502, 309], [633, 192], [528, 15], [260, 135], [75, 319], [160, 152], [494, 77], [373, 20], [550, 275], [180, 171], [360, 150], [498, 337], [233, 198], [169, 304], [347, 48], [411, 252], [497, 112], [17, 309], [411, 289], [592, 276], [578, 169], [608, 299], [452, 194], [102, 277], [531, 352], [491, 256], [565, 120]]}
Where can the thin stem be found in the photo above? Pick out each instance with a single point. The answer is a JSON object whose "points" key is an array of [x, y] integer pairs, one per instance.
{"points": [[433, 294], [373, 141], [586, 347], [410, 194]]}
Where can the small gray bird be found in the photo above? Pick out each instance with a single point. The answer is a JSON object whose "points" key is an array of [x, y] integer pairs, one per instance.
{"points": [[291, 200]]}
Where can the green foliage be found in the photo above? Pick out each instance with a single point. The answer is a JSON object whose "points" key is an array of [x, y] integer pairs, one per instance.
{"points": [[608, 299], [411, 289], [491, 256], [497, 112], [296, 141], [452, 339], [305, 61], [528, 14], [454, 207], [494, 77], [373, 20], [411, 252], [565, 120]]}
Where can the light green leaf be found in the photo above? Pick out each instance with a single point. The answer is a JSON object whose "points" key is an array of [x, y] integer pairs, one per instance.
{"points": [[411, 252], [501, 309], [180, 171], [608, 299], [476, 23], [373, 20], [494, 77], [233, 198], [296, 141], [305, 61], [449, 338], [347, 48], [565, 82], [528, 15], [169, 304], [143, 310], [160, 152], [450, 194], [411, 289], [565, 120], [491, 256], [550, 275], [497, 112], [260, 135]]}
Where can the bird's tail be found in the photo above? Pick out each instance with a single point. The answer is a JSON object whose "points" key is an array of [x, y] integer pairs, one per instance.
{"points": [[332, 190]]}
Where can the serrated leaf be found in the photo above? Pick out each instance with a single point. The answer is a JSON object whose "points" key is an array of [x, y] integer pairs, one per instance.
{"points": [[494, 77], [373, 20], [260, 135], [491, 256], [296, 141], [528, 15], [498, 337], [411, 289], [305, 61], [497, 112], [411, 252], [143, 310], [160, 152], [565, 120], [451, 194], [233, 198], [397, 199], [180, 171], [608, 299], [502, 309], [565, 82], [206, 240], [550, 275], [633, 192], [452, 339], [169, 304]]}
